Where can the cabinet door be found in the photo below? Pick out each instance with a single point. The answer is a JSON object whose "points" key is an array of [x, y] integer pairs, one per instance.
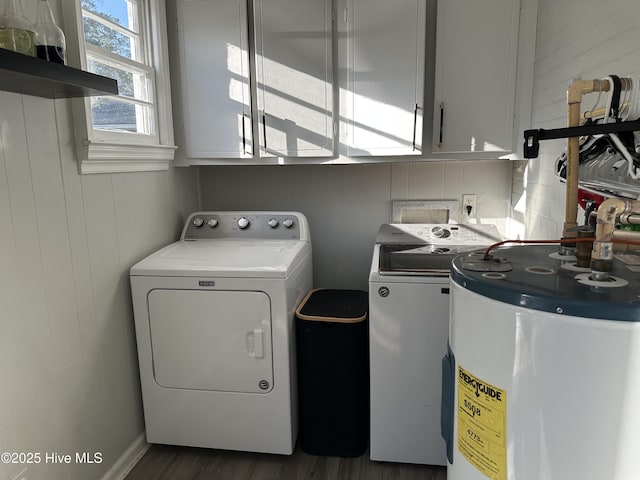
{"points": [[214, 95], [475, 75], [294, 77], [382, 89]]}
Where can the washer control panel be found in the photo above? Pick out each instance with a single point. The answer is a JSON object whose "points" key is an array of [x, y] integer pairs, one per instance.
{"points": [[265, 225], [438, 234]]}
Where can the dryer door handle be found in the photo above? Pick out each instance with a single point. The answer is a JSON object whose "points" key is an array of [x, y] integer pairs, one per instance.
{"points": [[255, 343]]}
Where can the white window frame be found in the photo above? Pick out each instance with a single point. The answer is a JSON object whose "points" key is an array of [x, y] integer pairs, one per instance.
{"points": [[102, 151]]}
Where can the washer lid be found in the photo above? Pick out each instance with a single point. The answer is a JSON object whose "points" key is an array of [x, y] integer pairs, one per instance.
{"points": [[428, 248], [228, 258]]}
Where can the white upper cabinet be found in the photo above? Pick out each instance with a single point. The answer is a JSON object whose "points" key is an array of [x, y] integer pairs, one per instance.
{"points": [[213, 99], [315, 81], [475, 76], [294, 77], [382, 48]]}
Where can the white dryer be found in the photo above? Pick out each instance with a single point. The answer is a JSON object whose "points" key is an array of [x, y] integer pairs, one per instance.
{"points": [[214, 317]]}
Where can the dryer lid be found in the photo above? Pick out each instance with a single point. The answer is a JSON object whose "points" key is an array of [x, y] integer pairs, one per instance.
{"points": [[230, 258]]}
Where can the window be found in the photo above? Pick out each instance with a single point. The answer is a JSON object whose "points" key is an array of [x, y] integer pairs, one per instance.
{"points": [[125, 40]]}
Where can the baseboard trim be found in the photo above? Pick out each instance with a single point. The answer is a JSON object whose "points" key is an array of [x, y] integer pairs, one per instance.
{"points": [[128, 459]]}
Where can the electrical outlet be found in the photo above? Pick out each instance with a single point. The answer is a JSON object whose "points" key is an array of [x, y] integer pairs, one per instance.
{"points": [[23, 475], [469, 200]]}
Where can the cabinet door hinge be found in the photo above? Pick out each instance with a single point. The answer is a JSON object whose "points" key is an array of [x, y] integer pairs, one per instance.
{"points": [[335, 128], [346, 15]]}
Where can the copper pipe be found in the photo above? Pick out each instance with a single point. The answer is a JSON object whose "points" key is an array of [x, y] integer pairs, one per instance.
{"points": [[575, 93], [600, 112], [584, 249], [574, 96], [630, 218], [532, 242], [571, 199], [608, 212], [621, 241], [626, 235]]}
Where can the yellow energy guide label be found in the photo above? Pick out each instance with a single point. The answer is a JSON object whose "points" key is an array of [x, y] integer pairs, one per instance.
{"points": [[482, 425]]}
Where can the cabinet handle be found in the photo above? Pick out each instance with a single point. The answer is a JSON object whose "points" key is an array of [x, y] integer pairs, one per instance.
{"points": [[441, 124], [264, 129], [415, 125], [244, 136]]}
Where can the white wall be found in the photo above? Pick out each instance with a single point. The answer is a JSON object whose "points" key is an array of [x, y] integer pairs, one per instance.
{"points": [[68, 363], [575, 39], [346, 204]]}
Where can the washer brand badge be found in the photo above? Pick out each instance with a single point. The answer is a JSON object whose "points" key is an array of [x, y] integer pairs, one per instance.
{"points": [[383, 292], [206, 283]]}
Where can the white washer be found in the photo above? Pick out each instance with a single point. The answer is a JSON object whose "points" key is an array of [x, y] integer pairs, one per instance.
{"points": [[408, 329], [214, 317]]}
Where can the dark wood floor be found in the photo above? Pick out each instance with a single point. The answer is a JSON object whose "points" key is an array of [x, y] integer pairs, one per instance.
{"points": [[163, 462]]}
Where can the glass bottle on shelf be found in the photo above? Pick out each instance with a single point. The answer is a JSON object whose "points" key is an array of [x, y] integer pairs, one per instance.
{"points": [[50, 41], [16, 32]]}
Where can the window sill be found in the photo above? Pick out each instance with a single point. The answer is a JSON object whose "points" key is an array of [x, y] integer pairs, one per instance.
{"points": [[121, 158]]}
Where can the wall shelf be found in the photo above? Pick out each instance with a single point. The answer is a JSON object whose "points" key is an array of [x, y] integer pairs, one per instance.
{"points": [[33, 76]]}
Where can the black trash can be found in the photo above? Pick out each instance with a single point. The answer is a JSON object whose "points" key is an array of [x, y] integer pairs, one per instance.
{"points": [[332, 333]]}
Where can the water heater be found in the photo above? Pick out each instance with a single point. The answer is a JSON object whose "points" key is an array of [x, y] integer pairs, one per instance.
{"points": [[542, 377]]}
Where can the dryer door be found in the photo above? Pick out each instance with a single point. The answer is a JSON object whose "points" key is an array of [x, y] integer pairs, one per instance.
{"points": [[211, 340]]}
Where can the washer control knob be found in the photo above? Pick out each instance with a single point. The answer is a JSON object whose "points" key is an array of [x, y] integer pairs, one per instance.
{"points": [[440, 232], [213, 223], [287, 222], [273, 222], [198, 222], [243, 222]]}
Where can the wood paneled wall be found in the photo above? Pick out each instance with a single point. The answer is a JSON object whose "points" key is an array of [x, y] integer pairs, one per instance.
{"points": [[69, 374]]}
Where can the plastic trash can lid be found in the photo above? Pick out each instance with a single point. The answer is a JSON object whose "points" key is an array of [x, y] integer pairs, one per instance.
{"points": [[329, 305]]}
